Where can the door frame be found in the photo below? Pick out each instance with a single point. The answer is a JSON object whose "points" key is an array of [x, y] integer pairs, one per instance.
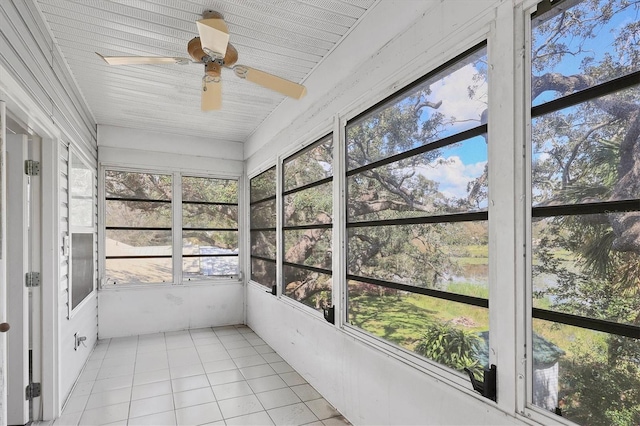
{"points": [[22, 108], [3, 272], [17, 216]]}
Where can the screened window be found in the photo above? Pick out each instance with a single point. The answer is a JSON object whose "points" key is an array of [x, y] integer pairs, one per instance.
{"points": [[263, 227], [209, 227], [307, 224], [138, 228], [585, 195], [140, 233], [417, 237], [81, 187], [82, 220]]}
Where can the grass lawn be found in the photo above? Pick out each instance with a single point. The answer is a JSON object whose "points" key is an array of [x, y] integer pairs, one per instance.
{"points": [[402, 319]]}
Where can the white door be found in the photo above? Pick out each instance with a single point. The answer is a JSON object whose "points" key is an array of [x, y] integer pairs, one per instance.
{"points": [[17, 264]]}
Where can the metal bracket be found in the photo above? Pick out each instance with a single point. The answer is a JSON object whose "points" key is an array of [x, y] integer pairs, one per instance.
{"points": [[32, 279], [31, 167], [32, 391], [488, 386], [330, 314]]}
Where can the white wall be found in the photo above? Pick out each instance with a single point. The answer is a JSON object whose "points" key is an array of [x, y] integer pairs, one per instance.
{"points": [[151, 148], [132, 310], [372, 383], [366, 385]]}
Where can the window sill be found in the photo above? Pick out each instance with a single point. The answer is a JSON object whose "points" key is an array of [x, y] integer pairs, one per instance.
{"points": [[195, 283], [436, 372], [306, 310]]}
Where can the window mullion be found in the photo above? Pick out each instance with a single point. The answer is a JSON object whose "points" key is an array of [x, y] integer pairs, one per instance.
{"points": [[523, 338], [503, 207], [339, 222], [177, 228], [279, 220]]}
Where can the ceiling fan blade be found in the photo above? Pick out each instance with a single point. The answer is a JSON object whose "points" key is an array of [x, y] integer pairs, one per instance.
{"points": [[141, 60], [211, 96], [270, 81], [214, 35]]}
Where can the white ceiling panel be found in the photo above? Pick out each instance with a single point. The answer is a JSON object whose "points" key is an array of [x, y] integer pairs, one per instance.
{"points": [[287, 38]]}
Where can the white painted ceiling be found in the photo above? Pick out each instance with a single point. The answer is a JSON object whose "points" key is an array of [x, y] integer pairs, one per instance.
{"points": [[287, 38]]}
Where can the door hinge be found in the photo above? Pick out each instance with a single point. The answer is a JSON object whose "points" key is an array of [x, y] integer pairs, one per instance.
{"points": [[32, 391], [32, 279], [31, 167]]}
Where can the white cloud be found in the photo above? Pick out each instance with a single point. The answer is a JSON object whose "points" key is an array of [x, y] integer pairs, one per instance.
{"points": [[452, 175], [452, 91]]}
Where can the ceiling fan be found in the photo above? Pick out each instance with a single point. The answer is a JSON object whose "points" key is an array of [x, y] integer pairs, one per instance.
{"points": [[213, 50]]}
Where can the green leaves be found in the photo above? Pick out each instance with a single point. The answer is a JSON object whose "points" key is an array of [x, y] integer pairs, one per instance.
{"points": [[456, 348]]}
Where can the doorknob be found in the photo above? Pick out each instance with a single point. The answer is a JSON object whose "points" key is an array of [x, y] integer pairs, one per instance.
{"points": [[4, 327]]}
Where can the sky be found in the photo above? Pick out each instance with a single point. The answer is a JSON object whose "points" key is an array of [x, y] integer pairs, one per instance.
{"points": [[595, 47], [462, 162], [465, 161]]}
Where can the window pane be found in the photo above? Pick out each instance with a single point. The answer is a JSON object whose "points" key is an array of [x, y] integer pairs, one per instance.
{"points": [[584, 45], [148, 214], [449, 102], [451, 333], [138, 271], [263, 185], [586, 264], [207, 266], [137, 185], [309, 288], [447, 180], [263, 272], [263, 215], [209, 216], [138, 243], [82, 267], [580, 154], [311, 247], [310, 165], [577, 269], [593, 376], [145, 254], [209, 189], [452, 257], [222, 242], [263, 244], [81, 184], [311, 206]]}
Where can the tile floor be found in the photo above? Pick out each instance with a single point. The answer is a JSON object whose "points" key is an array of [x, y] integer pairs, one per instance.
{"points": [[217, 376]]}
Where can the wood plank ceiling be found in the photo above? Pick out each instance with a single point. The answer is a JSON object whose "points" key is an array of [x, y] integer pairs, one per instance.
{"points": [[287, 38]]}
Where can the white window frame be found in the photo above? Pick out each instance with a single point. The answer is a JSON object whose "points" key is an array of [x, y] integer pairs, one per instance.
{"points": [[79, 229], [267, 167], [525, 404], [176, 224], [280, 225]]}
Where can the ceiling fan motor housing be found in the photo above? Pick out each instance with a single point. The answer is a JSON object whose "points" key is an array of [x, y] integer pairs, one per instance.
{"points": [[195, 51]]}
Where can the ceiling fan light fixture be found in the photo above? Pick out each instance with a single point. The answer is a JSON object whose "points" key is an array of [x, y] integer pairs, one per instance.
{"points": [[213, 71]]}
